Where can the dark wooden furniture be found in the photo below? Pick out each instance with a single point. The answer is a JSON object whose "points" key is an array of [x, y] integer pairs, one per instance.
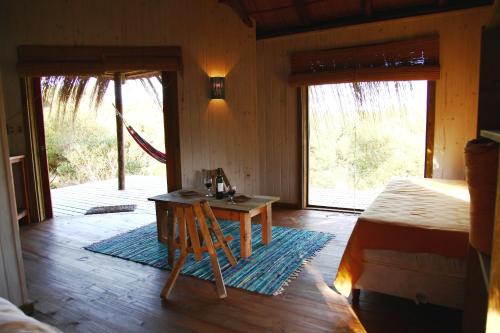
{"points": [[243, 212], [21, 211], [489, 88], [491, 276], [184, 218], [482, 273]]}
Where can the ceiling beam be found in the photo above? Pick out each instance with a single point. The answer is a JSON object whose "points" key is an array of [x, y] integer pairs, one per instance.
{"points": [[239, 8], [375, 16], [367, 7], [495, 18], [279, 8], [301, 9], [442, 3]]}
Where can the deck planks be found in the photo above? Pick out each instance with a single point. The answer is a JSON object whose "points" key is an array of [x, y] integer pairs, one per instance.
{"points": [[75, 200]]}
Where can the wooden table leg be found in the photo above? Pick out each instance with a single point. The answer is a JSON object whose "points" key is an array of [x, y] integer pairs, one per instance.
{"points": [[166, 229], [266, 219], [161, 221], [245, 235], [171, 237]]}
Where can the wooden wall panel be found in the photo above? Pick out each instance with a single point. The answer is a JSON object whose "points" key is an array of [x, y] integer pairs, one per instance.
{"points": [[214, 41], [456, 91]]}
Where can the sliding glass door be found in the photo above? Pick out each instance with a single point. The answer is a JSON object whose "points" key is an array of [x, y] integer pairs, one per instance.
{"points": [[360, 135]]}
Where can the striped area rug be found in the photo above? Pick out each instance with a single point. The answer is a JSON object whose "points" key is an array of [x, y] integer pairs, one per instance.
{"points": [[267, 271]]}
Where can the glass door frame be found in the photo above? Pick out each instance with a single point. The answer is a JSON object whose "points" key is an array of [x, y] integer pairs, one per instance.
{"points": [[303, 146]]}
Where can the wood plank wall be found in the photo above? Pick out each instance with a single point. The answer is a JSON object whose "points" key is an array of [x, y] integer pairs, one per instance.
{"points": [[214, 42], [456, 91]]}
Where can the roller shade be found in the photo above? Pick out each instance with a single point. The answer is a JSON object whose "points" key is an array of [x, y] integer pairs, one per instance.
{"points": [[415, 59], [37, 61]]}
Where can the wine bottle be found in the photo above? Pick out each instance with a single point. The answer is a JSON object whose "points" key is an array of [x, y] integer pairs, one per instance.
{"points": [[219, 185]]}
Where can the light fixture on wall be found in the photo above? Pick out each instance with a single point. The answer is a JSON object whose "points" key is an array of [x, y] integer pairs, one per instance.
{"points": [[217, 87]]}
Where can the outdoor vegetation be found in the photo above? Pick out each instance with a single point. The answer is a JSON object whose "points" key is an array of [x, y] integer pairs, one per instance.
{"points": [[363, 134], [80, 130]]}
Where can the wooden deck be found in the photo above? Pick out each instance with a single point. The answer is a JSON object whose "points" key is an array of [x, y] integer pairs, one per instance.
{"points": [[80, 291], [77, 199], [342, 198]]}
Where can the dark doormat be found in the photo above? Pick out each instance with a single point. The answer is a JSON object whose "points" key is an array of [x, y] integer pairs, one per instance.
{"points": [[110, 209]]}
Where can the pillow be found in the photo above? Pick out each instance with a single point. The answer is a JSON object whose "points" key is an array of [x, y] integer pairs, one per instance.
{"points": [[13, 320]]}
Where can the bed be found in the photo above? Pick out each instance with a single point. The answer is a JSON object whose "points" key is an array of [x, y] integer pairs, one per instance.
{"points": [[411, 242], [13, 320]]}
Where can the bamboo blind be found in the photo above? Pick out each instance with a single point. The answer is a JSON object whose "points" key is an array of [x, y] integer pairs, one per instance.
{"points": [[37, 61], [415, 59]]}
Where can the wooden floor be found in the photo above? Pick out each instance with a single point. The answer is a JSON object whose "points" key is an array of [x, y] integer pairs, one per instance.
{"points": [[80, 291]]}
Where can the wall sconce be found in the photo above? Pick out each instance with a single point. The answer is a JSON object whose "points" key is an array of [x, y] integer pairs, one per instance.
{"points": [[217, 88]]}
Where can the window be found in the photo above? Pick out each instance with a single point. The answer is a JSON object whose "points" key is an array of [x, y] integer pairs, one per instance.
{"points": [[360, 135]]}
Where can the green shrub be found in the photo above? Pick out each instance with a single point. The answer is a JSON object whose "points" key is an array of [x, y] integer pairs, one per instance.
{"points": [[364, 152], [82, 150]]}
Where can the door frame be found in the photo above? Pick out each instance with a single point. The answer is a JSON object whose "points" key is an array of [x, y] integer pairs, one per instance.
{"points": [[38, 61], [303, 145], [36, 150]]}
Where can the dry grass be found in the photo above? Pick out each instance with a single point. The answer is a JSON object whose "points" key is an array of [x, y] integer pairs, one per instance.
{"points": [[63, 94]]}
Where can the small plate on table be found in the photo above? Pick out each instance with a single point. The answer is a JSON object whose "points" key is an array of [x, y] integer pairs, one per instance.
{"points": [[241, 198], [188, 193]]}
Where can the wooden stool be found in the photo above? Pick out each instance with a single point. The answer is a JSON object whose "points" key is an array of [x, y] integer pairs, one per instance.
{"points": [[188, 241]]}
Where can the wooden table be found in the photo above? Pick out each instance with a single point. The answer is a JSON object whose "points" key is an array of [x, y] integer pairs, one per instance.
{"points": [[243, 212]]}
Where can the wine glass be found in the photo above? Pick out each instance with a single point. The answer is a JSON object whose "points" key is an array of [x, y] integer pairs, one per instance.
{"points": [[231, 191], [208, 184]]}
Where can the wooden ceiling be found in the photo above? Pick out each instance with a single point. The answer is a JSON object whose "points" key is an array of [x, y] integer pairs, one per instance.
{"points": [[282, 17]]}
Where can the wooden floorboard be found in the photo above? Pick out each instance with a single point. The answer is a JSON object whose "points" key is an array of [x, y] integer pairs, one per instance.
{"points": [[80, 291]]}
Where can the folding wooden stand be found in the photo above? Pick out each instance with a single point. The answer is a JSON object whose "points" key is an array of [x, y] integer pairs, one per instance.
{"points": [[186, 216], [24, 211]]}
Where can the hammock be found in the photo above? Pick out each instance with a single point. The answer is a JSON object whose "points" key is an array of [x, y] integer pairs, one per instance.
{"points": [[146, 146]]}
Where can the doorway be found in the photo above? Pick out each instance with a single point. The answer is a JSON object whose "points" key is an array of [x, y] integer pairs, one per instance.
{"points": [[81, 139], [360, 135], [115, 62]]}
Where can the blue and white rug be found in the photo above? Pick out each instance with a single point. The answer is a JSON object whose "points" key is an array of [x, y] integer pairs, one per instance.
{"points": [[267, 271]]}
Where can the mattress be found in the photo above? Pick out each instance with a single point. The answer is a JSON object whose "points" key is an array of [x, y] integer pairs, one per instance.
{"points": [[423, 203], [422, 277], [421, 226]]}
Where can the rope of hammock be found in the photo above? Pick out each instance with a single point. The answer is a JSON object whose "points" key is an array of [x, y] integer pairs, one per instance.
{"points": [[146, 146]]}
